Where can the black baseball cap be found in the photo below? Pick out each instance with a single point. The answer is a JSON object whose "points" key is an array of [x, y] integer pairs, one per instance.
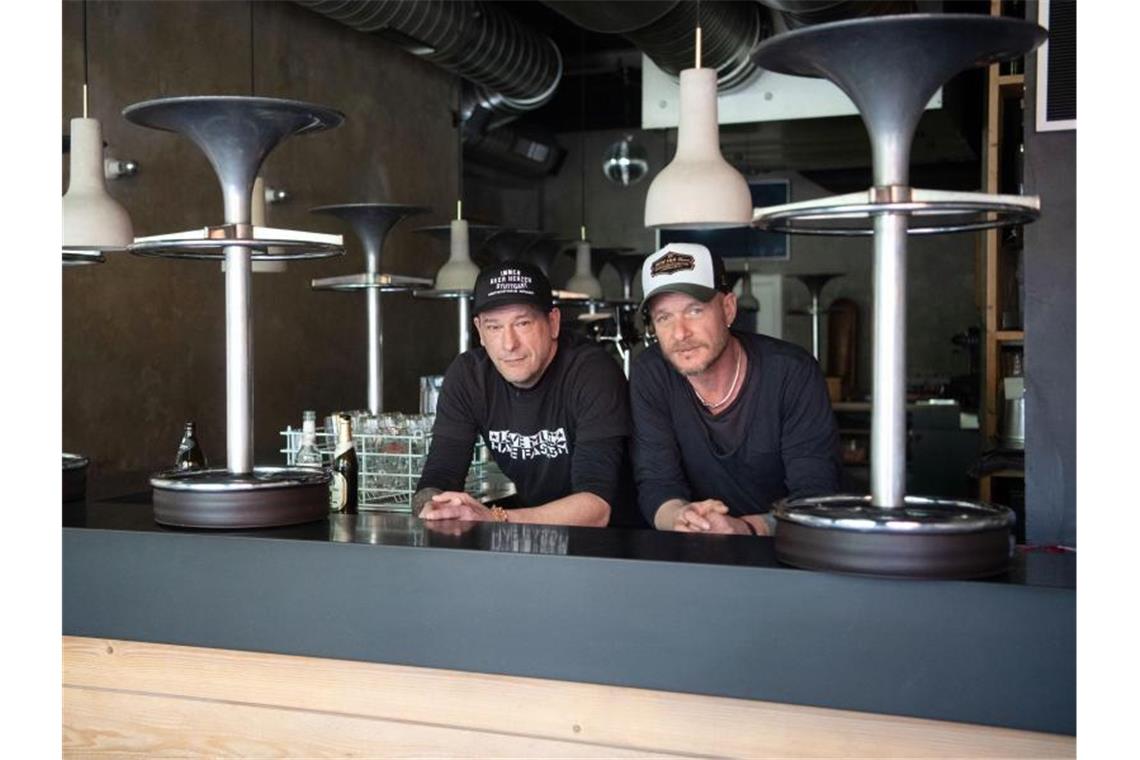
{"points": [[512, 282]]}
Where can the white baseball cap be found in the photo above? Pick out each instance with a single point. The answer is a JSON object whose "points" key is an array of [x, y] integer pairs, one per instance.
{"points": [[688, 268]]}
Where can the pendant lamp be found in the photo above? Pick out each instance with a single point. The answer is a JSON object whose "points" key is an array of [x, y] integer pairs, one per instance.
{"points": [[92, 219], [584, 280], [746, 301], [698, 189], [460, 272]]}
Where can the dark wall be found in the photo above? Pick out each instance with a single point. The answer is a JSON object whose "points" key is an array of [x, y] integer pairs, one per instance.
{"points": [[1050, 329], [144, 339]]}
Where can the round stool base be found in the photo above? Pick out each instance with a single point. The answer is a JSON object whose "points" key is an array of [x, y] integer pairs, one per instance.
{"points": [[74, 477], [215, 498], [926, 538]]}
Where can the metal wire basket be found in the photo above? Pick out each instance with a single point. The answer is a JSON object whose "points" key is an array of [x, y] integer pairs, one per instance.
{"points": [[391, 450]]}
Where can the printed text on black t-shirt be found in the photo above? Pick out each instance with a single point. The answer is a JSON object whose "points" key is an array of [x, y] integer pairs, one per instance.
{"points": [[545, 443]]}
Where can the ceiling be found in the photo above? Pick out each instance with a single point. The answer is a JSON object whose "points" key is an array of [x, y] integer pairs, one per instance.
{"points": [[601, 90]]}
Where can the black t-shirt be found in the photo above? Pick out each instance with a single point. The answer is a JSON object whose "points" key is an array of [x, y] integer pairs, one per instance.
{"points": [[778, 437], [567, 434]]}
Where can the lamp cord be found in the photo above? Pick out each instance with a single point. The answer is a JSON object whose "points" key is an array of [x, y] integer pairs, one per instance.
{"points": [[252, 58], [582, 123], [459, 140], [85, 64], [698, 56]]}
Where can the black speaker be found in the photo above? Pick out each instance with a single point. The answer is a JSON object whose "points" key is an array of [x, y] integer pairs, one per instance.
{"points": [[1057, 66]]}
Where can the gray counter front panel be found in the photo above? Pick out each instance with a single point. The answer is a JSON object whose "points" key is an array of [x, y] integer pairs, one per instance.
{"points": [[994, 653]]}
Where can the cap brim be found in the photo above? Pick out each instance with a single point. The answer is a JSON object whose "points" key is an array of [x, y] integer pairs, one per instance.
{"points": [[511, 300], [699, 292]]}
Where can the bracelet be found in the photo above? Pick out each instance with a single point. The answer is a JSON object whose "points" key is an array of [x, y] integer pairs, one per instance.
{"points": [[751, 527], [498, 514]]}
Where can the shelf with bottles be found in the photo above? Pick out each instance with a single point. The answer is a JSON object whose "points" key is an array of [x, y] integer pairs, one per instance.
{"points": [[1002, 249]]}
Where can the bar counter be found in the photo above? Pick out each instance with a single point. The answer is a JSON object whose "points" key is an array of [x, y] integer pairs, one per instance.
{"points": [[712, 621]]}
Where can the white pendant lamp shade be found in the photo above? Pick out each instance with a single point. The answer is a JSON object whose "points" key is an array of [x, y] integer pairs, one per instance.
{"points": [[698, 189], [92, 219], [584, 280], [460, 272]]}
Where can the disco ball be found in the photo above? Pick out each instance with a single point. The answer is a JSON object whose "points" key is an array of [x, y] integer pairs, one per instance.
{"points": [[626, 162]]}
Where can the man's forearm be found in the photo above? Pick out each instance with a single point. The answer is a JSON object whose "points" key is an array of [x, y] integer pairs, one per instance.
{"points": [[422, 497], [582, 508]]}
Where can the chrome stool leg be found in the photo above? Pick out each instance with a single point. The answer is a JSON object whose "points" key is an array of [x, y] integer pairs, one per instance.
{"points": [[890, 67]]}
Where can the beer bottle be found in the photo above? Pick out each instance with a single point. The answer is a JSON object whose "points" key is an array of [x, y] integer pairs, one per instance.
{"points": [[190, 456], [309, 455], [343, 488]]}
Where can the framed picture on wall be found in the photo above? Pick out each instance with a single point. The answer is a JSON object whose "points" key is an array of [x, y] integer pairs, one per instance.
{"points": [[742, 243]]}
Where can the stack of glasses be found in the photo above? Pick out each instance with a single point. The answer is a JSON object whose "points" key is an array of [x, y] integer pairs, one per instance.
{"points": [[391, 449]]}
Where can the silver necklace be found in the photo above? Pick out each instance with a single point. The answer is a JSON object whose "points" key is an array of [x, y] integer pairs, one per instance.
{"points": [[731, 388]]}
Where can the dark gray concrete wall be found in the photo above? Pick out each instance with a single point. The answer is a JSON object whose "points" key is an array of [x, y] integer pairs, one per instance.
{"points": [[1050, 329], [941, 296], [144, 339]]}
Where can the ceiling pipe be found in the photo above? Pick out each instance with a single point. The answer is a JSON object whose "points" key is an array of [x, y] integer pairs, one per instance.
{"points": [[663, 30], [799, 13], [507, 67]]}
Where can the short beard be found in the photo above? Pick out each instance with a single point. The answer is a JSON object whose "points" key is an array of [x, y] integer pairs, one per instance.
{"points": [[718, 351]]}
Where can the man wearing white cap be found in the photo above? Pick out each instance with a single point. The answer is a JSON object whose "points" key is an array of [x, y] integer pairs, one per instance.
{"points": [[724, 422]]}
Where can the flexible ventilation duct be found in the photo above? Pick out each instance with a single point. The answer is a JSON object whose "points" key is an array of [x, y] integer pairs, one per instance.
{"points": [[663, 30], [512, 68], [799, 13]]}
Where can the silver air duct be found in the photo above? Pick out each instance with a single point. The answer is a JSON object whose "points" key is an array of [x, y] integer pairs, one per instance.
{"points": [[798, 13], [663, 30], [510, 67]]}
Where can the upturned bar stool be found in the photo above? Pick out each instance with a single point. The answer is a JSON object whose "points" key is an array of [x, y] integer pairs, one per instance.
{"points": [[372, 222], [236, 134], [890, 67]]}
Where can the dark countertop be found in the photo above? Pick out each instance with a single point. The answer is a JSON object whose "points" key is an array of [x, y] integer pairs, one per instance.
{"points": [[690, 613]]}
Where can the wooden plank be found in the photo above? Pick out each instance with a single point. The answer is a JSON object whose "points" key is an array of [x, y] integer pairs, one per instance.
{"points": [[990, 163], [617, 717], [990, 399], [1011, 85], [1010, 336], [114, 723]]}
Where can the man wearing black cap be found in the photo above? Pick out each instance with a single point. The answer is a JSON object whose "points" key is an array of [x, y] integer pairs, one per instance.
{"points": [[724, 422], [552, 406]]}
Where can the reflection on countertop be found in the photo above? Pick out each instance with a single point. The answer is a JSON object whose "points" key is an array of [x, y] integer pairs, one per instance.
{"points": [[134, 513], [404, 530]]}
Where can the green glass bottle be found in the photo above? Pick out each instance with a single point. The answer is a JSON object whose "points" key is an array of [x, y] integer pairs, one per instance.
{"points": [[190, 456]]}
